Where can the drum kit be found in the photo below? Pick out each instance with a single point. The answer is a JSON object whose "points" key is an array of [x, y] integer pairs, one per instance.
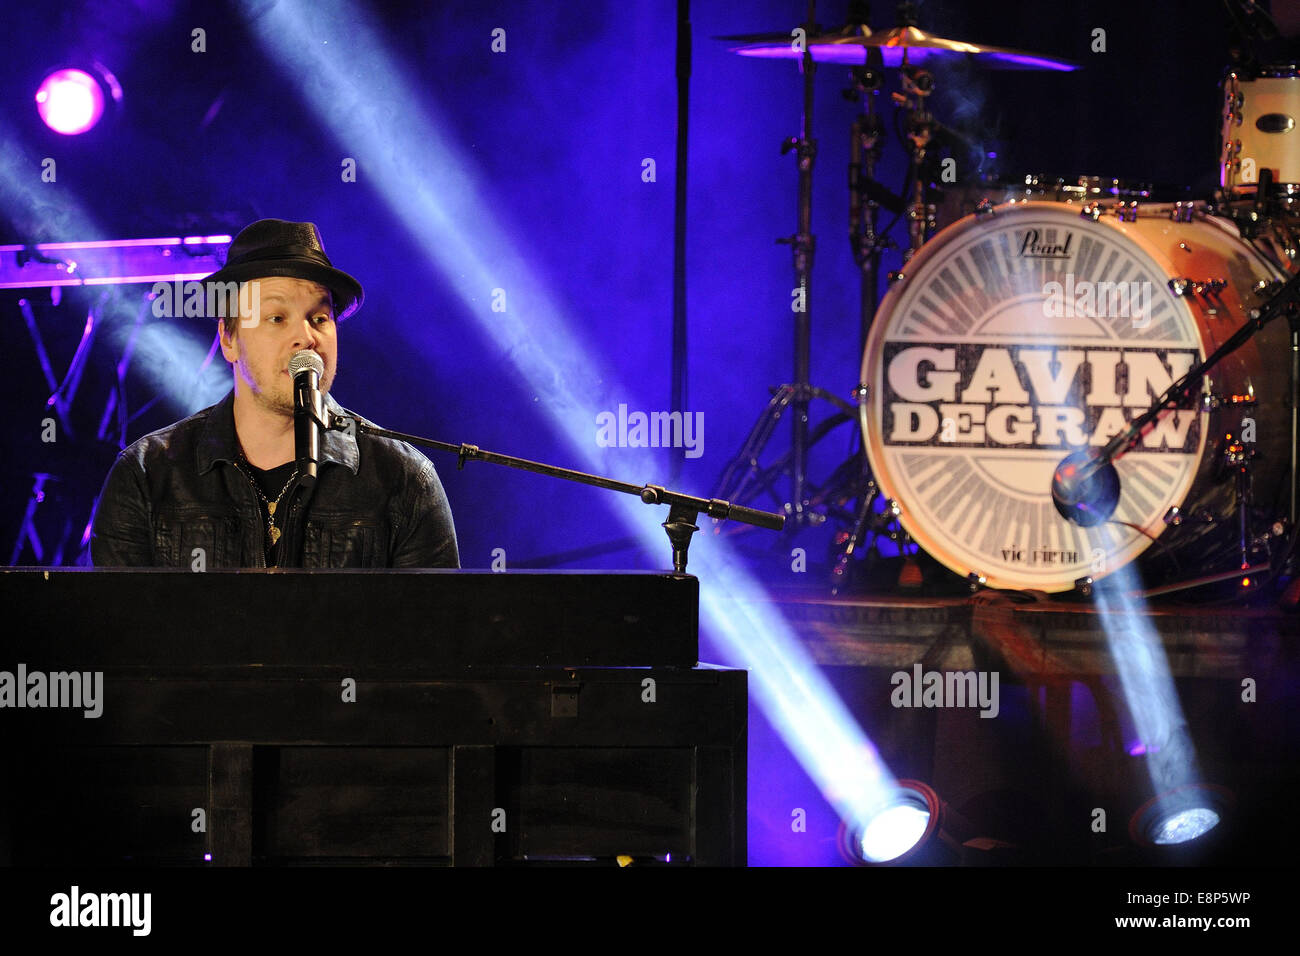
{"points": [[1036, 408]]}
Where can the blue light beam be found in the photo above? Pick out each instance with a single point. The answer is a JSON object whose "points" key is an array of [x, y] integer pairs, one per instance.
{"points": [[1153, 704], [433, 191]]}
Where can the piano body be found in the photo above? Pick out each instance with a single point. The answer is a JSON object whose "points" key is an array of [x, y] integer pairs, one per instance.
{"points": [[292, 717]]}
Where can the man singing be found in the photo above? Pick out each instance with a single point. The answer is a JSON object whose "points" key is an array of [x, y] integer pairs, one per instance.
{"points": [[221, 488]]}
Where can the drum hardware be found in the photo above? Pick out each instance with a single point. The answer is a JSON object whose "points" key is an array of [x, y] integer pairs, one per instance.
{"points": [[845, 543], [1264, 195], [1176, 518], [883, 523], [1096, 484], [1082, 484], [1234, 458], [748, 477], [800, 392], [909, 576], [744, 474], [1208, 290], [1263, 216], [1286, 236], [1252, 576], [905, 47], [866, 143], [917, 86], [1274, 123]]}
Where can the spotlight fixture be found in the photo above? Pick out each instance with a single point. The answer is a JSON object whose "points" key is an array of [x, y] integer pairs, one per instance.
{"points": [[1180, 815], [898, 830], [71, 101]]}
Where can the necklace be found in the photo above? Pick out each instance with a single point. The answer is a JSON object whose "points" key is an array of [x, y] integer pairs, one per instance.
{"points": [[271, 530]]}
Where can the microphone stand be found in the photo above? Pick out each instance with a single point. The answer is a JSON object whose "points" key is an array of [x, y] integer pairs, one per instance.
{"points": [[1073, 477], [682, 512]]}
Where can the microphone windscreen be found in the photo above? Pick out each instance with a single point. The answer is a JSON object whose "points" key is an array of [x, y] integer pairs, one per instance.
{"points": [[304, 360]]}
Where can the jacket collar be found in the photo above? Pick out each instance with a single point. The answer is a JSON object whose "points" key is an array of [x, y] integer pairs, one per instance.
{"points": [[218, 441]]}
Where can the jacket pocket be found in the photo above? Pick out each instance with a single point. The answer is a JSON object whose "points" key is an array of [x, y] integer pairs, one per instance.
{"points": [[345, 543], [185, 540]]}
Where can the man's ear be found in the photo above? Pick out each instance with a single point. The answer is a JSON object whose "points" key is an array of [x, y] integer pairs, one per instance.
{"points": [[229, 343]]}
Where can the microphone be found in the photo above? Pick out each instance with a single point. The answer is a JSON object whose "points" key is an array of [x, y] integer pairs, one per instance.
{"points": [[1085, 487], [306, 368]]}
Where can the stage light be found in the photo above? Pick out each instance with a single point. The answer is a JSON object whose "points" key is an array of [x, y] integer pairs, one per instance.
{"points": [[893, 832], [1183, 809], [70, 101], [1186, 825], [897, 829], [1180, 816]]}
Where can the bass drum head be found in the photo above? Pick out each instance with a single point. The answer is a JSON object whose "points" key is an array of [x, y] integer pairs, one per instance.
{"points": [[1015, 339]]}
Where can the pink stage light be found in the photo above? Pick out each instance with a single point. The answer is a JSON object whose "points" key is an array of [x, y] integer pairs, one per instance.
{"points": [[70, 101]]}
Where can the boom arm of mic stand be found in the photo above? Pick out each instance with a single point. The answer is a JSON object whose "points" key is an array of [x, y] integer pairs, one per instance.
{"points": [[682, 512]]}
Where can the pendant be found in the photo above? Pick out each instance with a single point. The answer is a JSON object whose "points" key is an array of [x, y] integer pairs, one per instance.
{"points": [[275, 534], [270, 507]]}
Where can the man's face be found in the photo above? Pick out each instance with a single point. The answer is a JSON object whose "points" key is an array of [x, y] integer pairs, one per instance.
{"points": [[291, 315]]}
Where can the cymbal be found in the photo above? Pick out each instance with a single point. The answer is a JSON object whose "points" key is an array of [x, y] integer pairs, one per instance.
{"points": [[849, 46]]}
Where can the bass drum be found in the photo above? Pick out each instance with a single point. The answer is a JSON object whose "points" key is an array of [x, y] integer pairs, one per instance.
{"points": [[1019, 336]]}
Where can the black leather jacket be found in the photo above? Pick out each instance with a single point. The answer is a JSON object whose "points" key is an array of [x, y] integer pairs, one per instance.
{"points": [[377, 503]]}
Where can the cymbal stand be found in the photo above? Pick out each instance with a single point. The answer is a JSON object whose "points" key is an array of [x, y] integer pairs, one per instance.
{"points": [[802, 244], [917, 84], [797, 394], [865, 145]]}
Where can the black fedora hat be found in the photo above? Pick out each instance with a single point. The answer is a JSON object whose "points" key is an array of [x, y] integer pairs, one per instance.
{"points": [[276, 248]]}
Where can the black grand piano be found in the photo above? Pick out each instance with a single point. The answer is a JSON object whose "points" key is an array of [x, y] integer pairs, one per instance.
{"points": [[289, 717]]}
